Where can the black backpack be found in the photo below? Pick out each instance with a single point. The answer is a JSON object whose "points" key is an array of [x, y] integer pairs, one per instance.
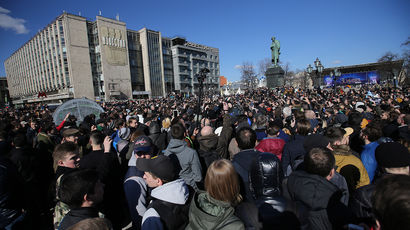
{"points": [[173, 216]]}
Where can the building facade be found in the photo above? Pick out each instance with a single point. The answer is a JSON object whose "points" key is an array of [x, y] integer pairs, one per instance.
{"points": [[188, 59], [73, 57]]}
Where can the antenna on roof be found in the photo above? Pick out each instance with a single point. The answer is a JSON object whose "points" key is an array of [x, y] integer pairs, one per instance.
{"points": [[117, 17], [99, 12]]}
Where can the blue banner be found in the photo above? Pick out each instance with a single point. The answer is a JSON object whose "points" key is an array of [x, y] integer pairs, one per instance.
{"points": [[371, 77]]}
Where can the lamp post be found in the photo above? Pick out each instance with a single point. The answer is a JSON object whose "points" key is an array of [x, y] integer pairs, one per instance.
{"points": [[334, 74], [318, 71], [201, 78]]}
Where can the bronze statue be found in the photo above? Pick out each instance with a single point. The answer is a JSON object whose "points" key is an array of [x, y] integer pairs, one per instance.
{"points": [[275, 47]]}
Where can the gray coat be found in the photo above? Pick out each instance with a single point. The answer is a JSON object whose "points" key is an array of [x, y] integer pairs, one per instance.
{"points": [[188, 160]]}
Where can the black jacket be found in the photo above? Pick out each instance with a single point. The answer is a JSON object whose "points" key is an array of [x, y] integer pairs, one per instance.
{"points": [[291, 151], [76, 215], [272, 210], [159, 139], [242, 162], [11, 197], [320, 198]]}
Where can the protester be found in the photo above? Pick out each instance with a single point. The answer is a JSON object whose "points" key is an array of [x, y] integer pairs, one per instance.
{"points": [[82, 192], [189, 164], [214, 209], [170, 195], [135, 187]]}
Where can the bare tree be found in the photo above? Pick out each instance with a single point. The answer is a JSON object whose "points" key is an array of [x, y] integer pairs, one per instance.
{"points": [[388, 67], [248, 74], [263, 65]]}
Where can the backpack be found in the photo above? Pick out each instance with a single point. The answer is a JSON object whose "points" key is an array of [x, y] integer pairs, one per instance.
{"points": [[173, 216]]}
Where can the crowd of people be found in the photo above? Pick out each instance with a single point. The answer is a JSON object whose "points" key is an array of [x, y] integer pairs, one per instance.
{"points": [[267, 159]]}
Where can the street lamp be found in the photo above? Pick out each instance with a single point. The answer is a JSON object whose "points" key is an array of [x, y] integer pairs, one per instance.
{"points": [[318, 71], [334, 74], [201, 78]]}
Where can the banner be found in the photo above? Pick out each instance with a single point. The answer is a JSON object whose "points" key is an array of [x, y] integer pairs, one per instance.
{"points": [[80, 108], [370, 77]]}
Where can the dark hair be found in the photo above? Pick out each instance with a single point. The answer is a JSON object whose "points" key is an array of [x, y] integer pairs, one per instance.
{"points": [[303, 127], [19, 140], [118, 123], [178, 131], [319, 161], [391, 202], [75, 185], [97, 137], [272, 129], [61, 150], [46, 126], [373, 132], [355, 119], [334, 134], [246, 138]]}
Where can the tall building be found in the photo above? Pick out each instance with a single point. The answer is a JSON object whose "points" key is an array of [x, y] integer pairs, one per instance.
{"points": [[73, 57], [188, 59]]}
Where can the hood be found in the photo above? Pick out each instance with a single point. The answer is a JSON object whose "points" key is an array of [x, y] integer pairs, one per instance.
{"points": [[175, 192], [154, 128], [341, 150], [208, 143], [176, 146], [266, 176], [207, 212], [312, 190]]}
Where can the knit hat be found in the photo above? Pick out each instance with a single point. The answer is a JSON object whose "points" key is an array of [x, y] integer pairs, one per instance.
{"points": [[392, 155], [315, 141], [124, 133], [161, 166]]}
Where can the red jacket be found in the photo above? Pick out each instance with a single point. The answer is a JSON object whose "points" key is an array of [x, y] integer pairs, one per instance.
{"points": [[271, 145]]}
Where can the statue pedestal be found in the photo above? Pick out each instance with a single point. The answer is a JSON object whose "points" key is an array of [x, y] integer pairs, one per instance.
{"points": [[275, 77]]}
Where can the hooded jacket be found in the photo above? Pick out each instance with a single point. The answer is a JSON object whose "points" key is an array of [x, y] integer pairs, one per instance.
{"points": [[344, 157], [208, 213], [174, 192], [188, 161], [320, 197], [207, 150], [158, 138], [271, 145]]}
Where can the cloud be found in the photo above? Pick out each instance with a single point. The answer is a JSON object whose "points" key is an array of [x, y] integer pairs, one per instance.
{"points": [[336, 62], [237, 66], [8, 22]]}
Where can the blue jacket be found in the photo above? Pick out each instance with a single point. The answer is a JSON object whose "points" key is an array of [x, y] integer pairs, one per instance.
{"points": [[135, 189], [369, 160], [291, 151]]}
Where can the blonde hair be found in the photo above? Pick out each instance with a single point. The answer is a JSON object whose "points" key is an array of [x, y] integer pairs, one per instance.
{"points": [[166, 123], [222, 182]]}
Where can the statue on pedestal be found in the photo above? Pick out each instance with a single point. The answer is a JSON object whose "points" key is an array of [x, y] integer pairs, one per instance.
{"points": [[275, 47]]}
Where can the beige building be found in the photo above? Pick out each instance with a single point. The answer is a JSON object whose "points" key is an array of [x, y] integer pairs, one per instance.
{"points": [[73, 57]]}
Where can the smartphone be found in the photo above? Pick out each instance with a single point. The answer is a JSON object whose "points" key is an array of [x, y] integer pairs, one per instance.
{"points": [[175, 113]]}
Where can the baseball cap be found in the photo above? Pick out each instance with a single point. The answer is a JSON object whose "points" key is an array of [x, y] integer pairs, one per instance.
{"points": [[142, 144], [348, 131], [161, 166], [70, 132]]}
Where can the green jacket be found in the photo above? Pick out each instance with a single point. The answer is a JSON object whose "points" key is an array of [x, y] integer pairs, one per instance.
{"points": [[206, 212]]}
